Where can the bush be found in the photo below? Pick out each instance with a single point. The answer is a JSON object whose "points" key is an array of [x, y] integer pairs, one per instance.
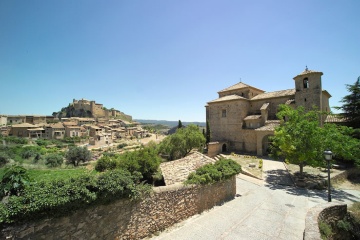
{"points": [[14, 180], [59, 197], [54, 160], [121, 145], [211, 173], [27, 154], [105, 163], [325, 230], [4, 158]]}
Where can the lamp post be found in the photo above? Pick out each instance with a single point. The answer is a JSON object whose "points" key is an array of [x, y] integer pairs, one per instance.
{"points": [[328, 158]]}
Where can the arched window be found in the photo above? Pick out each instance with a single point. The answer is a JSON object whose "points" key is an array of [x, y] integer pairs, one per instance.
{"points": [[306, 83]]}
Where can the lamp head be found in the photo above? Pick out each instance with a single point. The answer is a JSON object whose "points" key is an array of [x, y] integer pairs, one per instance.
{"points": [[328, 155]]}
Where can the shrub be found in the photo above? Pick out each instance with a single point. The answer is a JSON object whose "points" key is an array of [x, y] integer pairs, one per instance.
{"points": [[121, 145], [14, 180], [4, 158], [54, 160], [325, 230], [211, 173], [61, 196], [105, 163], [27, 154]]}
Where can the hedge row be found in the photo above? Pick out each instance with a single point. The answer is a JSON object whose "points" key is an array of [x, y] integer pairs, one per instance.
{"points": [[59, 197]]}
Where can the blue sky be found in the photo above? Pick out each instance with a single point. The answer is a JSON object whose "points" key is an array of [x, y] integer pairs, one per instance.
{"points": [[164, 59]]}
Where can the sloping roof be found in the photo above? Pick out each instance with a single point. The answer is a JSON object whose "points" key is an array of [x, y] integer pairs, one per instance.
{"points": [[269, 126], [335, 118], [252, 117], [178, 170], [56, 125], [239, 85], [326, 93], [23, 125], [228, 98], [307, 71], [281, 93]]}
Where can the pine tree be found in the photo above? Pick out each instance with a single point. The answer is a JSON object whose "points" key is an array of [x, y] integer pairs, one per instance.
{"points": [[180, 124], [207, 132], [351, 106]]}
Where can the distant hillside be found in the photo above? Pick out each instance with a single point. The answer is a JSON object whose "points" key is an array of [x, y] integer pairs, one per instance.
{"points": [[169, 123]]}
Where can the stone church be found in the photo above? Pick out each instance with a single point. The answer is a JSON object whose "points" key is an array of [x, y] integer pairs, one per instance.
{"points": [[243, 117]]}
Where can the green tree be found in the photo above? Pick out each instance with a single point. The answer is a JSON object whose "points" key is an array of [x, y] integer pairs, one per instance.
{"points": [[145, 161], [75, 155], [182, 142], [208, 132], [301, 140], [351, 104], [179, 124], [54, 160]]}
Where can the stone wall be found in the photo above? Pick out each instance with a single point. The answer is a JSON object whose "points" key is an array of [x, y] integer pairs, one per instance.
{"points": [[328, 212], [125, 219]]}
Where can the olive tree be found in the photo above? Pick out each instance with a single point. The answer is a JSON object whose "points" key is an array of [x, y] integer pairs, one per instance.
{"points": [[75, 155]]}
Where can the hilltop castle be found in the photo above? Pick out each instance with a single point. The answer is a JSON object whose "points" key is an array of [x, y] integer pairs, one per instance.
{"points": [[243, 117], [86, 108]]}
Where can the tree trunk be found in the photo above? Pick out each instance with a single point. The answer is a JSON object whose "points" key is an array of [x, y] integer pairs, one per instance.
{"points": [[301, 165]]}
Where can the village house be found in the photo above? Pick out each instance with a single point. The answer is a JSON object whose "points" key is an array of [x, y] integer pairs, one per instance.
{"points": [[3, 120], [243, 117], [55, 131], [73, 131], [27, 130]]}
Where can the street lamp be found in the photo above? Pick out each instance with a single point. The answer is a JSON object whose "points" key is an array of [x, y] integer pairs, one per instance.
{"points": [[328, 158]]}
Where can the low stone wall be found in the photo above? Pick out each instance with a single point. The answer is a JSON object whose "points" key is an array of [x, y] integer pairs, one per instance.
{"points": [[327, 212], [125, 219], [345, 174]]}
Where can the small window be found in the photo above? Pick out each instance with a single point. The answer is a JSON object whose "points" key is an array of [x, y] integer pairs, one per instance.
{"points": [[306, 83], [305, 99], [224, 113]]}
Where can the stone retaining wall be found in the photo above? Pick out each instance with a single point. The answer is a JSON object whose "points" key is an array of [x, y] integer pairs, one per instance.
{"points": [[125, 219], [327, 212]]}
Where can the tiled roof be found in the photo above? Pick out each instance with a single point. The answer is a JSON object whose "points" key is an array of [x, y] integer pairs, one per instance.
{"points": [[269, 126], [69, 123], [228, 98], [282, 93], [56, 125], [334, 118], [28, 125], [252, 117], [307, 71], [239, 85], [178, 170]]}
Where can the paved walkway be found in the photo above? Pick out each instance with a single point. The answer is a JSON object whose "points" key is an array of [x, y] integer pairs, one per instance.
{"points": [[262, 210]]}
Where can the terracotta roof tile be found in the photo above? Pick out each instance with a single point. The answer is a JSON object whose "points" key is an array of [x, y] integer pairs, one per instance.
{"points": [[252, 117], [239, 85], [228, 98], [307, 71], [281, 93]]}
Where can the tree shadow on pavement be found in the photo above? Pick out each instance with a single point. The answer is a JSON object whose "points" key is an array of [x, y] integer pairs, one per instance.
{"points": [[277, 180], [278, 177]]}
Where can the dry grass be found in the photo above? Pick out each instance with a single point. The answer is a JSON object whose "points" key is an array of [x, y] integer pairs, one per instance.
{"points": [[245, 161]]}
